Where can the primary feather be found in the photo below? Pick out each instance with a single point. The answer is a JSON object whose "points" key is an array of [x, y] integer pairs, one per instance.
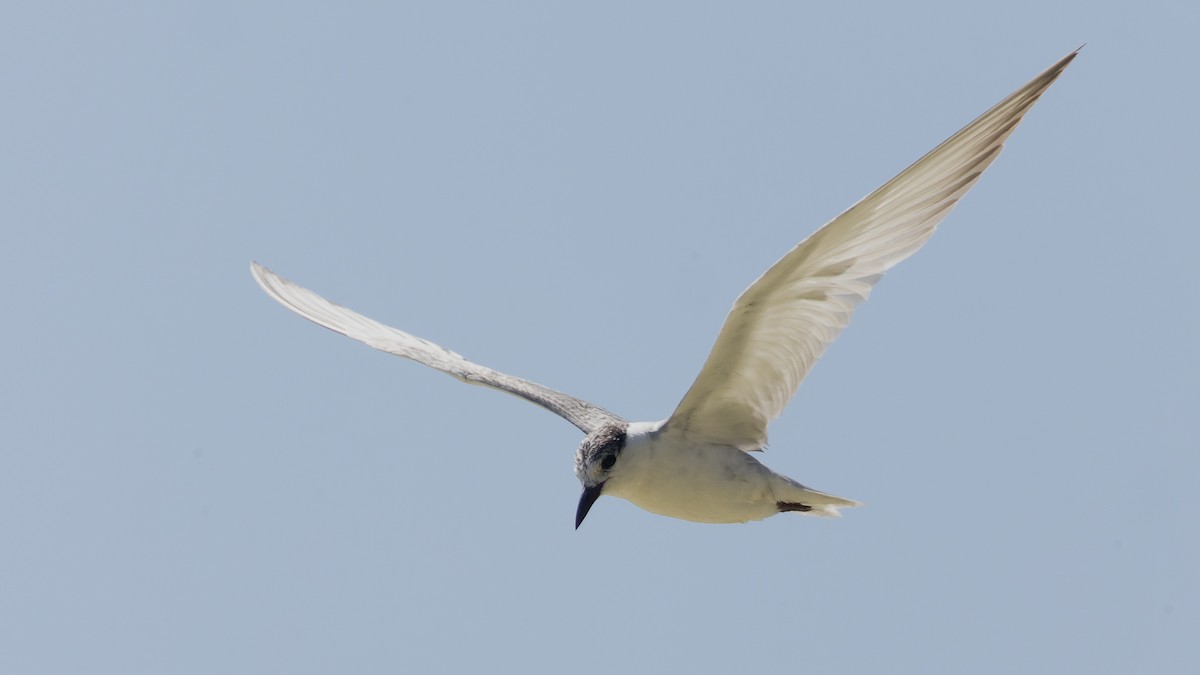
{"points": [[786, 319], [586, 416]]}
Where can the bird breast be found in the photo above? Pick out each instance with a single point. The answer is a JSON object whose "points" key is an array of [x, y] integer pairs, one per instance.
{"points": [[706, 483]]}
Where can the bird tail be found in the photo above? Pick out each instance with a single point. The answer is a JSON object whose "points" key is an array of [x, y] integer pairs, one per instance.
{"points": [[812, 502]]}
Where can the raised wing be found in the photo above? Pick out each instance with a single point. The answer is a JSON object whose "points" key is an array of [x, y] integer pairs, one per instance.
{"points": [[786, 319], [384, 338]]}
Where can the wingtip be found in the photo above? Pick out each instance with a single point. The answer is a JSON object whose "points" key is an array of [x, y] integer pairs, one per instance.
{"points": [[265, 278], [1066, 60], [1039, 84], [257, 270]]}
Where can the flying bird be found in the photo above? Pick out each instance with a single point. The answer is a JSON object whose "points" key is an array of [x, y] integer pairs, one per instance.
{"points": [[697, 464]]}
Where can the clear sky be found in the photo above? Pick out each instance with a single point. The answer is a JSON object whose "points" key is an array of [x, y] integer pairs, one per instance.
{"points": [[193, 480]]}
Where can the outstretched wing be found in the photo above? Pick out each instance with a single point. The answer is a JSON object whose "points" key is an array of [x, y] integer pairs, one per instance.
{"points": [[786, 319], [385, 338]]}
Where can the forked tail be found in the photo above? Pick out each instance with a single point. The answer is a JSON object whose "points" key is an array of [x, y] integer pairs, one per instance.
{"points": [[811, 502]]}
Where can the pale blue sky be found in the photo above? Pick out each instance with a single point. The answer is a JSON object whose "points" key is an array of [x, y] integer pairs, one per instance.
{"points": [[194, 480]]}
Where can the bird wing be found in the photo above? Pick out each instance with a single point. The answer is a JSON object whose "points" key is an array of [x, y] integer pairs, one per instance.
{"points": [[786, 319], [393, 341]]}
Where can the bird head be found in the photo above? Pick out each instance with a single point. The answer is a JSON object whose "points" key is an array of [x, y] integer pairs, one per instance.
{"points": [[596, 461]]}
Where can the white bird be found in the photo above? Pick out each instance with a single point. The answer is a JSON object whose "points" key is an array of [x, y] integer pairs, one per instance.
{"points": [[696, 464]]}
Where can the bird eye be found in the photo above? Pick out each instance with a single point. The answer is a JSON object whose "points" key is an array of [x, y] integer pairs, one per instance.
{"points": [[608, 461]]}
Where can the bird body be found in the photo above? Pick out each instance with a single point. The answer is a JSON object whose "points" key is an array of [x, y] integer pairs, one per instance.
{"points": [[697, 464], [705, 483]]}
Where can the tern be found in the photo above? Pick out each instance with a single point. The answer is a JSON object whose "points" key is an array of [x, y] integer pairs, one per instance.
{"points": [[697, 464]]}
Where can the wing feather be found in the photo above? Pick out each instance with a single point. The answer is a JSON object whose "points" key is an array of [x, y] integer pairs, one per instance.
{"points": [[313, 307], [786, 319]]}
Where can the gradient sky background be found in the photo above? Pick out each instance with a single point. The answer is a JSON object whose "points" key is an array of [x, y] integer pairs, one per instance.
{"points": [[193, 480]]}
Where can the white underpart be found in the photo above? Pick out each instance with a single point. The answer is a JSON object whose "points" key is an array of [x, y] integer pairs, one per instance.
{"points": [[707, 483]]}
